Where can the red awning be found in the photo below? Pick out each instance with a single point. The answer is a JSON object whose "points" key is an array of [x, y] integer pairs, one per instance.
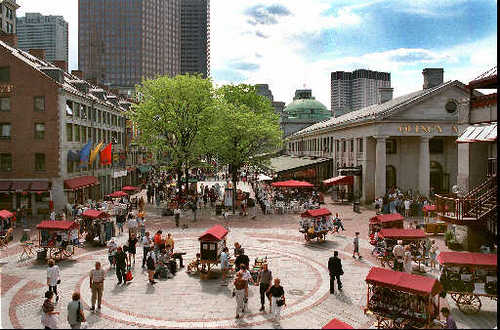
{"points": [[398, 233], [316, 213], [80, 182], [5, 185], [129, 188], [337, 324], [20, 185], [383, 218], [216, 233], [40, 186], [57, 225], [340, 180], [405, 282], [467, 258], [95, 214], [6, 214], [117, 194], [292, 184]]}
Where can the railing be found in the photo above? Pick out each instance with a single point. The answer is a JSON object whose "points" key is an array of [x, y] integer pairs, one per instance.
{"points": [[491, 182]]}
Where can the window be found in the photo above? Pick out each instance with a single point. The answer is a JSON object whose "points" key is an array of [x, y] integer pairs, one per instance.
{"points": [[39, 162], [5, 131], [77, 133], [337, 143], [84, 134], [69, 108], [4, 103], [5, 162], [352, 145], [69, 132], [94, 115], [5, 74], [390, 146], [98, 116], [343, 146], [83, 112], [436, 146], [39, 103], [360, 145], [39, 131]]}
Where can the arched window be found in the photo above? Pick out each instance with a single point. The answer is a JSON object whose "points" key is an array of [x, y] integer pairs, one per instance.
{"points": [[390, 177]]}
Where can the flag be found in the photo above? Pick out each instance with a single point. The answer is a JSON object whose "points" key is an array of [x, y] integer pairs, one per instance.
{"points": [[84, 155], [105, 155], [94, 153]]}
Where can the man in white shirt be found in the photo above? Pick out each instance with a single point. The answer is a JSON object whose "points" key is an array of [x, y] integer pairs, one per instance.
{"points": [[398, 252], [132, 226], [407, 207], [112, 246], [53, 277], [146, 247]]}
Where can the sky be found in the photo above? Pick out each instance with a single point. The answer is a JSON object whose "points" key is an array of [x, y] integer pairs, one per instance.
{"points": [[292, 44]]}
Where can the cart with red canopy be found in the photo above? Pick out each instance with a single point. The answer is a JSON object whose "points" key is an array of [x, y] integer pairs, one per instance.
{"points": [[212, 242], [130, 189], [401, 300], [315, 224], [292, 184], [118, 194], [97, 224], [393, 220], [467, 276], [407, 236], [57, 238]]}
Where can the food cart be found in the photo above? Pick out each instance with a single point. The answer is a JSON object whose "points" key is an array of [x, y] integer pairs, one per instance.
{"points": [[6, 229], [212, 242], [408, 236], [315, 224], [467, 276], [393, 220], [97, 224], [401, 300], [57, 239]]}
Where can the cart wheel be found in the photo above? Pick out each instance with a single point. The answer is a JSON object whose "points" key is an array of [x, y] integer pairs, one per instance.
{"points": [[400, 323], [455, 297], [383, 323], [469, 304], [67, 253]]}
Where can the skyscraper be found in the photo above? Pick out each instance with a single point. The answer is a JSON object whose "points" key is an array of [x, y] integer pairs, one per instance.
{"points": [[120, 42], [195, 36], [50, 33], [355, 90]]}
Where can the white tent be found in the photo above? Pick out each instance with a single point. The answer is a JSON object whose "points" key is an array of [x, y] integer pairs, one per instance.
{"points": [[263, 177]]}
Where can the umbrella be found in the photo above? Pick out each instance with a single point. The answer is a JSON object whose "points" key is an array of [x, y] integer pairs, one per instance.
{"points": [[117, 194], [129, 188], [263, 177], [6, 214], [293, 184]]}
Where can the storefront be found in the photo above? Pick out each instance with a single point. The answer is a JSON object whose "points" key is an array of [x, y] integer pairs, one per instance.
{"points": [[310, 169], [79, 190], [34, 196]]}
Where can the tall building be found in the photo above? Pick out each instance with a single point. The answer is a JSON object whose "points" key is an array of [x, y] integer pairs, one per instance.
{"points": [[355, 90], [263, 90], [122, 42], [50, 33], [195, 37], [8, 16]]}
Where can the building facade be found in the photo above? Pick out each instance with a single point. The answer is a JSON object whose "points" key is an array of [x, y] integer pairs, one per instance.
{"points": [[352, 91], [122, 42], [8, 16], [50, 33], [408, 142], [263, 90], [195, 37]]}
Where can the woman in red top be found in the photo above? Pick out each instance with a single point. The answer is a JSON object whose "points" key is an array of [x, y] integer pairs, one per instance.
{"points": [[158, 240]]}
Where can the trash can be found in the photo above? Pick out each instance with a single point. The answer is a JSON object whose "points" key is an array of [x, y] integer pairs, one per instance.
{"points": [[41, 255], [355, 207]]}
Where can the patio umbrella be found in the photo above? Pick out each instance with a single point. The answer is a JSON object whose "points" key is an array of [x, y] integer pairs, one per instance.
{"points": [[129, 188], [118, 194], [263, 177], [293, 184]]}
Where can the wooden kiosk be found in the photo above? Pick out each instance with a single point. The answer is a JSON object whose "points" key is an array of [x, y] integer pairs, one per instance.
{"points": [[57, 239], [315, 226], [211, 244], [95, 223]]}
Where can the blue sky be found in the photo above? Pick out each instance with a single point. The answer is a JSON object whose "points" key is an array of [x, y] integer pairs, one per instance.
{"points": [[290, 44]]}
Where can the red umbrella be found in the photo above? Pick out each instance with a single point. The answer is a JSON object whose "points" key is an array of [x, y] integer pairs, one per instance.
{"points": [[6, 214], [293, 184], [129, 188], [117, 194]]}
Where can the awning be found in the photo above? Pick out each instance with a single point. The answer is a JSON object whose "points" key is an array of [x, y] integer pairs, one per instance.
{"points": [[398, 233], [293, 184], [20, 185], [57, 225], [316, 213], [5, 185], [263, 177], [95, 214], [214, 234], [80, 182], [4, 214], [40, 186], [405, 282], [144, 168], [383, 218], [337, 324], [467, 259], [340, 180], [129, 188], [479, 133], [118, 194]]}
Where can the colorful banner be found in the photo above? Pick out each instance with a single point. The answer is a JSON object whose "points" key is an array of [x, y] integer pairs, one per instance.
{"points": [[94, 153], [84, 155], [105, 155]]}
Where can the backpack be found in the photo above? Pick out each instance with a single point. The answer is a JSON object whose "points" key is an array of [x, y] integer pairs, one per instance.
{"points": [[150, 261]]}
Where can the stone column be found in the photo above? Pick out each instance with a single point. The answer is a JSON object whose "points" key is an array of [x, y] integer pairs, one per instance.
{"points": [[380, 166], [424, 163], [368, 166]]}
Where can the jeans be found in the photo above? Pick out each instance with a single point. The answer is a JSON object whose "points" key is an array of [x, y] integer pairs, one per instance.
{"points": [[332, 283], [53, 289], [145, 251], [120, 273], [263, 288]]}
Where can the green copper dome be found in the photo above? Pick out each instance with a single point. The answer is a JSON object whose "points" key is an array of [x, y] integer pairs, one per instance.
{"points": [[304, 106]]}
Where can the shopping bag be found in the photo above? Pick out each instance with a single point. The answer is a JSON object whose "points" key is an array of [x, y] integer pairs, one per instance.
{"points": [[128, 276]]}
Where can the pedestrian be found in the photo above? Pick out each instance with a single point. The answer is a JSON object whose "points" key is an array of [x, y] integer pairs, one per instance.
{"points": [[338, 222], [75, 312], [335, 269], [265, 279], [121, 265], [132, 225], [49, 318], [239, 293], [141, 224], [224, 264], [112, 251], [433, 253], [242, 258], [120, 219], [132, 242], [97, 276], [177, 215], [151, 264], [356, 246], [146, 247], [398, 252], [407, 207], [246, 277], [277, 296], [158, 241], [407, 262], [450, 322], [53, 277]]}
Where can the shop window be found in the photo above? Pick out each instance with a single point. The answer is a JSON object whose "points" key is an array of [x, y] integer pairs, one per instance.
{"points": [[436, 146], [391, 147], [344, 146], [390, 177], [39, 131], [69, 132], [39, 103], [5, 162], [84, 134], [77, 133], [4, 103], [492, 166], [39, 162], [5, 74], [83, 112], [69, 108], [5, 131], [352, 145]]}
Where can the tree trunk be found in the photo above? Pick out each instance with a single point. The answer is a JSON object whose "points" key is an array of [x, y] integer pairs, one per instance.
{"points": [[186, 172], [234, 173], [179, 177]]}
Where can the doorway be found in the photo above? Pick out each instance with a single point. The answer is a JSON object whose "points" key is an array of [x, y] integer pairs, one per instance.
{"points": [[436, 176]]}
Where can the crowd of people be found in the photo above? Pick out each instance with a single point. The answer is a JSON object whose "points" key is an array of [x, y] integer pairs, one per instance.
{"points": [[409, 204]]}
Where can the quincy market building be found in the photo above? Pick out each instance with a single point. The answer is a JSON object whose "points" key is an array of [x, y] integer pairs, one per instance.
{"points": [[408, 142]]}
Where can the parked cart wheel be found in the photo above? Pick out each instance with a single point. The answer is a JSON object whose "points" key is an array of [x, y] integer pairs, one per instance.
{"points": [[469, 304], [384, 323], [455, 297]]}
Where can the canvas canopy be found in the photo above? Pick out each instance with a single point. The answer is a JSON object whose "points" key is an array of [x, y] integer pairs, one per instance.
{"points": [[467, 258], [4, 214], [398, 233], [421, 285], [383, 218], [95, 214], [214, 234], [293, 184], [339, 180], [337, 324], [57, 225], [316, 213], [117, 194]]}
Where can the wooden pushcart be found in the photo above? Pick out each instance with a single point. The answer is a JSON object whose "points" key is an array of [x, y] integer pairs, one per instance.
{"points": [[407, 236], [401, 300], [316, 225], [393, 220], [97, 224], [467, 276], [6, 228], [57, 239], [211, 244]]}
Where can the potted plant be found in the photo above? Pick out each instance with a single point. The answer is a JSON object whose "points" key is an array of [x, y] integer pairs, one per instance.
{"points": [[448, 236]]}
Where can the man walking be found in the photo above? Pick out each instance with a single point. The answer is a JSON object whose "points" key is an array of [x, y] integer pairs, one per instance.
{"points": [[398, 251], [146, 246], [335, 269], [121, 265], [264, 280], [356, 246], [97, 285]]}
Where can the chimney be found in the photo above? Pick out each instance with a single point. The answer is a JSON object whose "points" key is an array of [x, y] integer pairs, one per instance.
{"points": [[40, 53], [77, 73], [385, 94], [9, 38], [432, 77], [61, 65]]}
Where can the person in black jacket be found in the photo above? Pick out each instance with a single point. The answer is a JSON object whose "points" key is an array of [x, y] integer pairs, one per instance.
{"points": [[335, 268], [241, 259]]}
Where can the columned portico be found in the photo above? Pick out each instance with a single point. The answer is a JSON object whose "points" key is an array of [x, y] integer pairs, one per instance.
{"points": [[380, 166], [424, 166]]}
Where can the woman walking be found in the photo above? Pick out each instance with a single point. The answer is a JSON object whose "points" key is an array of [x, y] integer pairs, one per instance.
{"points": [[277, 295], [53, 277], [75, 312], [239, 293], [132, 242], [49, 318]]}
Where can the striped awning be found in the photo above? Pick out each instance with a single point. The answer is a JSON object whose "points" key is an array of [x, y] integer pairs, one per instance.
{"points": [[479, 133]]}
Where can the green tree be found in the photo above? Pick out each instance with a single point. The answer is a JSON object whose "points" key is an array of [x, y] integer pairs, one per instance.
{"points": [[246, 127], [172, 117]]}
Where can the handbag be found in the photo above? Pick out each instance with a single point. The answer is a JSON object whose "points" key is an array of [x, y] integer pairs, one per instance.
{"points": [[129, 276], [80, 317], [280, 302], [59, 281]]}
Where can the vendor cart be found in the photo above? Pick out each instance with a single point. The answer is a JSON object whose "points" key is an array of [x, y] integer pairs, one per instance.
{"points": [[393, 220], [211, 244], [97, 224], [407, 236], [401, 300], [315, 224], [6, 228], [57, 239], [467, 276]]}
